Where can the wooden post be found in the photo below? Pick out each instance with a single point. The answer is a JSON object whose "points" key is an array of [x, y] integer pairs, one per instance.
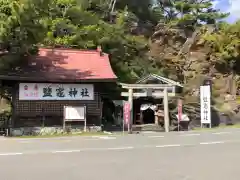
{"points": [[130, 100], [166, 111]]}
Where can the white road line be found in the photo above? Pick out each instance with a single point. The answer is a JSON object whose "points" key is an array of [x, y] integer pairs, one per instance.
{"points": [[32, 141], [120, 148], [168, 145], [10, 154], [213, 142], [66, 151], [156, 136], [189, 135], [149, 132], [219, 133], [106, 132], [106, 137], [44, 138], [113, 148]]}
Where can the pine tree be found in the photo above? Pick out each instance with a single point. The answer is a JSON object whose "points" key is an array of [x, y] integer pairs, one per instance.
{"points": [[190, 13]]}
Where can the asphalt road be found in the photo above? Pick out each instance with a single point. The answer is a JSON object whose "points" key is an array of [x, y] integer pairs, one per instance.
{"points": [[211, 155]]}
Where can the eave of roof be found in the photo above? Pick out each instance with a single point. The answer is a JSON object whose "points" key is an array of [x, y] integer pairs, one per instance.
{"points": [[160, 78], [65, 65]]}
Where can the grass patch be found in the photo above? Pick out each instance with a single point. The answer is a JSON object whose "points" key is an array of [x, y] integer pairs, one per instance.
{"points": [[218, 127]]}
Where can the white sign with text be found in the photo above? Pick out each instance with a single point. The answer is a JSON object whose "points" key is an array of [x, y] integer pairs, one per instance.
{"points": [[74, 113], [205, 98], [49, 91]]}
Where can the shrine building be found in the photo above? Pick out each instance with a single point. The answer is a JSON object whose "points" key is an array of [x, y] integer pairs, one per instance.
{"points": [[56, 78]]}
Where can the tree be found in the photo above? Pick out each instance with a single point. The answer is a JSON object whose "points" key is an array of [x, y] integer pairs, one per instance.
{"points": [[179, 47], [225, 46], [190, 13], [178, 30], [21, 30], [75, 25]]}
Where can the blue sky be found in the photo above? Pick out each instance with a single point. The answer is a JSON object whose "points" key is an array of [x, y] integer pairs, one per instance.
{"points": [[231, 6]]}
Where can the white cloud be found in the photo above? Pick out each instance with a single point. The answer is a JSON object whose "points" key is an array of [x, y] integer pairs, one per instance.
{"points": [[215, 3], [234, 8]]}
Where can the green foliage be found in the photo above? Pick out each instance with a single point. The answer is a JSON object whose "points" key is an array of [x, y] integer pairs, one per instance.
{"points": [[21, 29], [75, 24], [225, 45], [189, 14], [121, 30]]}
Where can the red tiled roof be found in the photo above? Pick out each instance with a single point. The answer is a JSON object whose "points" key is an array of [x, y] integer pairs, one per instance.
{"points": [[68, 64]]}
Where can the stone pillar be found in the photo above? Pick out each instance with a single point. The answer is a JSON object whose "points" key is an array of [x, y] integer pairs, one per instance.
{"points": [[166, 111], [156, 118], [130, 100]]}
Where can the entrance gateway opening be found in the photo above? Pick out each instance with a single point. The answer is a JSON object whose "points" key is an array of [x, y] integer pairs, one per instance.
{"points": [[148, 116], [144, 110], [148, 99]]}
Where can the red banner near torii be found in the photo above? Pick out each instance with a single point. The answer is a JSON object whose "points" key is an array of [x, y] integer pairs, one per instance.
{"points": [[126, 113]]}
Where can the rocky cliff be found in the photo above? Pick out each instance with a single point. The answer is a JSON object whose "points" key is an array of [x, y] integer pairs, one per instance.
{"points": [[186, 57]]}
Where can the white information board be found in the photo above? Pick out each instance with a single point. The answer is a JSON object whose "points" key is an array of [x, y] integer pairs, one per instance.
{"points": [[205, 99], [75, 113], [184, 117]]}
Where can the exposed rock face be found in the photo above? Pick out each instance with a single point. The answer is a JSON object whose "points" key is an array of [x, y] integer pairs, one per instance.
{"points": [[187, 58]]}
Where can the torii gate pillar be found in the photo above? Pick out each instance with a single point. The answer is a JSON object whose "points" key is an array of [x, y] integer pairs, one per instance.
{"points": [[166, 111], [130, 101]]}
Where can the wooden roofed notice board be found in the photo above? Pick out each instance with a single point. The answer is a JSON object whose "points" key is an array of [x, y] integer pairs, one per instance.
{"points": [[75, 113]]}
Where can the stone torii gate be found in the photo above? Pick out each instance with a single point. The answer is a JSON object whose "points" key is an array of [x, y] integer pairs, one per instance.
{"points": [[153, 86]]}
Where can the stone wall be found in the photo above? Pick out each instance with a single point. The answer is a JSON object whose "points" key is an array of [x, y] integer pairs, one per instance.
{"points": [[57, 130]]}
